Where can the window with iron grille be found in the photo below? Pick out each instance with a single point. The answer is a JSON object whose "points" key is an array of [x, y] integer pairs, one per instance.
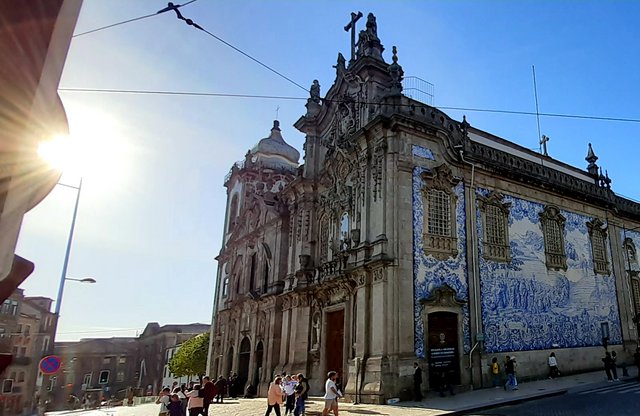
{"points": [[496, 232], [598, 237], [439, 213], [553, 229]]}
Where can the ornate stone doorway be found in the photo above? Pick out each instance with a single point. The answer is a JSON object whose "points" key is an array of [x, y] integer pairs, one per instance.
{"points": [[442, 348], [334, 342], [244, 357]]}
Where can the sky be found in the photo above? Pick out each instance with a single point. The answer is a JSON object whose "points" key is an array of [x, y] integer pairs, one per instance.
{"points": [[152, 204]]}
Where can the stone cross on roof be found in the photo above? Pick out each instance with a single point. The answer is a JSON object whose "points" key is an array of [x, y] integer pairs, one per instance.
{"points": [[352, 26]]}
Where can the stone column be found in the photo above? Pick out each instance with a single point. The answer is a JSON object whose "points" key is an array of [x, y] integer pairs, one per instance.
{"points": [[299, 342]]}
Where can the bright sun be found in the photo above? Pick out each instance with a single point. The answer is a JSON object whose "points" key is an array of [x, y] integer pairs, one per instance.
{"points": [[95, 149]]}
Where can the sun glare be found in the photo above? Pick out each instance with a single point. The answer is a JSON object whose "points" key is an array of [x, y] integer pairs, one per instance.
{"points": [[95, 149]]}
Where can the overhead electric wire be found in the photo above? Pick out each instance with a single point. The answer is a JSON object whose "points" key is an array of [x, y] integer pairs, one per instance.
{"points": [[277, 97], [195, 25], [129, 21]]}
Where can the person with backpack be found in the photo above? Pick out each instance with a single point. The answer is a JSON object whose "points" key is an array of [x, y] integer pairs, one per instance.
{"points": [[495, 372]]}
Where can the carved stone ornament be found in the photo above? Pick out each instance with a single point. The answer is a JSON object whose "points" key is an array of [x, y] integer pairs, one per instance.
{"points": [[379, 275], [443, 296], [441, 177]]}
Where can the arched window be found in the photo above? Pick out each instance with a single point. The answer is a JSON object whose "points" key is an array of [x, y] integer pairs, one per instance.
{"points": [[233, 213], [552, 222], [252, 272], [344, 231]]}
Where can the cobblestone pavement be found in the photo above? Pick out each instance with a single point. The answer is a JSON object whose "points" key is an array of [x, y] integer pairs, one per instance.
{"points": [[257, 407]]}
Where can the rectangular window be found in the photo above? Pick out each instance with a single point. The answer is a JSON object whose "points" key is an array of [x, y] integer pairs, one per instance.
{"points": [[14, 307], [439, 213], [3, 332], [45, 344], [27, 330], [15, 352], [106, 360], [23, 351], [21, 377], [87, 380], [104, 377], [122, 360], [19, 329], [120, 376], [7, 386]]}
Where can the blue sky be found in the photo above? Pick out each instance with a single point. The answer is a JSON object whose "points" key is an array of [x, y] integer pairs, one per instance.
{"points": [[150, 221]]}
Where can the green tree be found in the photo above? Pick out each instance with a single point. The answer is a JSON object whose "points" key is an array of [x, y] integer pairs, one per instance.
{"points": [[191, 358]]}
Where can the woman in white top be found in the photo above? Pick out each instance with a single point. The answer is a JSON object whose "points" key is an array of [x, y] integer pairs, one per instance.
{"points": [[196, 402], [553, 366]]}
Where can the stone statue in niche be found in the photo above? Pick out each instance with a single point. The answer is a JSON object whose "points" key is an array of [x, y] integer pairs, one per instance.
{"points": [[315, 331]]}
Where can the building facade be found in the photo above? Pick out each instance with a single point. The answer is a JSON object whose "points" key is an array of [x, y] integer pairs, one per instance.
{"points": [[26, 328], [110, 367], [409, 236]]}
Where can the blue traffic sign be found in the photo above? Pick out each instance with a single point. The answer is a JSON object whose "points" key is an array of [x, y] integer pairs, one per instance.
{"points": [[50, 364]]}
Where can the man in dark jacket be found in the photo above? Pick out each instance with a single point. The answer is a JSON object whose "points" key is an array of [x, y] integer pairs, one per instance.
{"points": [[221, 389], [417, 382], [208, 393]]}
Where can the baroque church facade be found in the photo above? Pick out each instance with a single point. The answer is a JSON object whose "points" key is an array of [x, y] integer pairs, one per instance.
{"points": [[405, 235]]}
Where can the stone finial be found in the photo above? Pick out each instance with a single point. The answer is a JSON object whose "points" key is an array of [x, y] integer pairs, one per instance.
{"points": [[592, 168], [396, 72], [314, 92]]}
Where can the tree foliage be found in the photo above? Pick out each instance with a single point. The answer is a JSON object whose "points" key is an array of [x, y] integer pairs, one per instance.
{"points": [[191, 358]]}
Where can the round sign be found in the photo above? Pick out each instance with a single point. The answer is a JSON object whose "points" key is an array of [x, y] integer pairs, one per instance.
{"points": [[50, 364]]}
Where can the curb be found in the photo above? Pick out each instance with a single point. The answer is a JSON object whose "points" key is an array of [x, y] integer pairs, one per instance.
{"points": [[509, 402]]}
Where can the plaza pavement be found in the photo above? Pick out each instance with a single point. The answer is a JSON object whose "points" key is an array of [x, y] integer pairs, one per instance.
{"points": [[461, 403]]}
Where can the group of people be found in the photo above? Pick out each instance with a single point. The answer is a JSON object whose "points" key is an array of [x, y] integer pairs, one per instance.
{"points": [[193, 400], [290, 391]]}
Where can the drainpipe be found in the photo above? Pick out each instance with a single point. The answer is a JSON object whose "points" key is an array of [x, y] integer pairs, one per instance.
{"points": [[474, 260]]}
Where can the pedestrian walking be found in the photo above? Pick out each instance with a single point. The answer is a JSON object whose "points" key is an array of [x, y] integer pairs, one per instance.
{"points": [[510, 368], [182, 400], [614, 365], [274, 397], [221, 389], [175, 406], [301, 389], [331, 394], [208, 392], [232, 382], [417, 382], [196, 401], [288, 386], [495, 372], [163, 400], [553, 366], [608, 362]]}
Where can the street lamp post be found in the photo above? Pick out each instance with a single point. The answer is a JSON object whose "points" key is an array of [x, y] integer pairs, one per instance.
{"points": [[65, 264]]}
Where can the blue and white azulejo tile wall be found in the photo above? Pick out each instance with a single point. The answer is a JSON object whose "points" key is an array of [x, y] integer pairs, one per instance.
{"points": [[430, 273], [525, 306]]}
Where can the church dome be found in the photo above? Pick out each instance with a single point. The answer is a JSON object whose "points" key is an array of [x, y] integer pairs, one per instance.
{"points": [[273, 151]]}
